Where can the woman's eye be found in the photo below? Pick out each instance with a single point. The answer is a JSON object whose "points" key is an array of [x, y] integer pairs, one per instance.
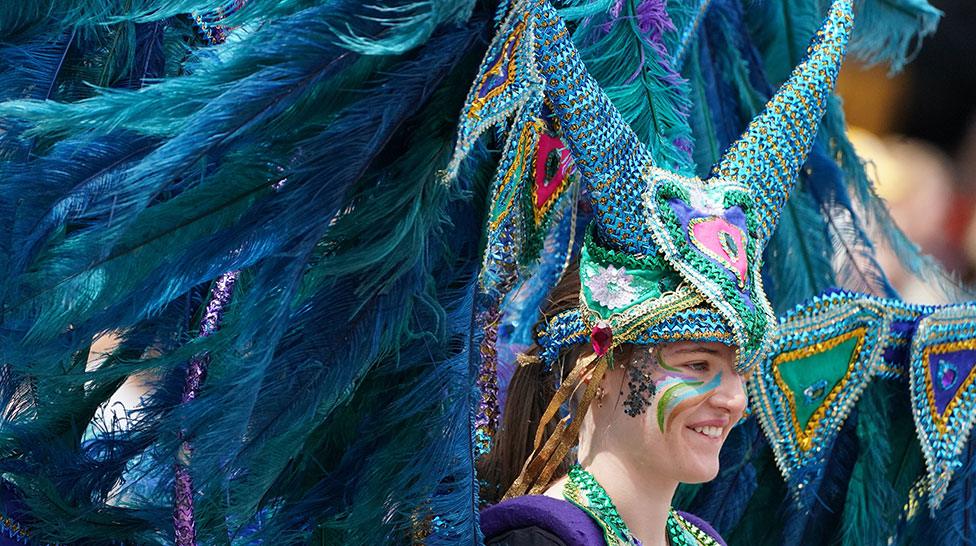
{"points": [[697, 366]]}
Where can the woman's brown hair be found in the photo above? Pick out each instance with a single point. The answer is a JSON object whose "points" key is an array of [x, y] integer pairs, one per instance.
{"points": [[529, 392]]}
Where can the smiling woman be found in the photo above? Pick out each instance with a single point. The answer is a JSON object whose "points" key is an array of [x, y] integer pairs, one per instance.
{"points": [[689, 397], [668, 291], [658, 418]]}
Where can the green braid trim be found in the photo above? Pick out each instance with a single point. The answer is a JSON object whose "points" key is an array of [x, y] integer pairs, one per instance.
{"points": [[607, 256]]}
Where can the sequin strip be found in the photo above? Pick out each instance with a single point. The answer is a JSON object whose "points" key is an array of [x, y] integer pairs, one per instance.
{"points": [[583, 490], [184, 524], [486, 420], [10, 528]]}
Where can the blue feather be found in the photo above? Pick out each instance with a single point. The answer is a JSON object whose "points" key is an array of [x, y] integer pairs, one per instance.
{"points": [[317, 244], [723, 501]]}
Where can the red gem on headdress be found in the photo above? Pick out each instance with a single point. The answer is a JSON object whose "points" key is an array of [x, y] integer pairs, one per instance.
{"points": [[601, 337]]}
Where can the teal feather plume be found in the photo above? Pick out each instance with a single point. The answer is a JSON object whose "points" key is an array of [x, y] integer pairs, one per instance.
{"points": [[875, 217], [892, 31], [871, 505], [623, 49], [798, 256], [136, 236]]}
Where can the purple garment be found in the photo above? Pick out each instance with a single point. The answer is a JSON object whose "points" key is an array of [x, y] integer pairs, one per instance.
{"points": [[703, 525], [561, 518], [572, 525]]}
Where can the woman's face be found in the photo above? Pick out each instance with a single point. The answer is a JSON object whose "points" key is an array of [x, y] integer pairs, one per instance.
{"points": [[669, 409]]}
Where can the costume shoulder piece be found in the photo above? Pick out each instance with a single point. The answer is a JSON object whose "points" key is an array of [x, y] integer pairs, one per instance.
{"points": [[898, 381], [545, 518]]}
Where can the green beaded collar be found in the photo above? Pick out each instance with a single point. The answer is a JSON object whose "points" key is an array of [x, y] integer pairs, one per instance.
{"points": [[587, 494]]}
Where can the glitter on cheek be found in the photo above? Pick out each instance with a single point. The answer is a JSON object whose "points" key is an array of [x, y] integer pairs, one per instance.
{"points": [[646, 379], [642, 389]]}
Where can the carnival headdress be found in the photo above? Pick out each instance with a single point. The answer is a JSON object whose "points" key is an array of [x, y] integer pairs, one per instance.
{"points": [[668, 256]]}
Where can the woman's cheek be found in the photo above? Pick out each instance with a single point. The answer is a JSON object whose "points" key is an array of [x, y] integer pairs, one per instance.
{"points": [[673, 391]]}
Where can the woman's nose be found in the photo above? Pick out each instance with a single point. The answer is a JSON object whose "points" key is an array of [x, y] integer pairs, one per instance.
{"points": [[730, 394]]}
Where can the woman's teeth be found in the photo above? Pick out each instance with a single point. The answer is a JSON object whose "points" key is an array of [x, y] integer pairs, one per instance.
{"points": [[711, 432]]}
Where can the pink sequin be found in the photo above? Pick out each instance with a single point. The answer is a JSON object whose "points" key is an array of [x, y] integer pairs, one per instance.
{"points": [[544, 188]]}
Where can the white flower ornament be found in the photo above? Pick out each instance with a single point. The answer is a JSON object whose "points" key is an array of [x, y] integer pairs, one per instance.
{"points": [[612, 287]]}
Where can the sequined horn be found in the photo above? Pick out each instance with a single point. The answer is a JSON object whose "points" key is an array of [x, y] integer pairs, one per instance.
{"points": [[768, 156], [607, 152]]}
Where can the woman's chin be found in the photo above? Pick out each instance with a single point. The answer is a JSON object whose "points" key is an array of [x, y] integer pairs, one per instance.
{"points": [[701, 474], [699, 462]]}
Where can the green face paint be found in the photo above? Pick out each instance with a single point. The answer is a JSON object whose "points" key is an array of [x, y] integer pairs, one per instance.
{"points": [[678, 388], [649, 378]]}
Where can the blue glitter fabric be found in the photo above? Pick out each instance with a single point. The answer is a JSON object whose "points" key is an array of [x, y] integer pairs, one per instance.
{"points": [[694, 245], [809, 345], [942, 380], [930, 349]]}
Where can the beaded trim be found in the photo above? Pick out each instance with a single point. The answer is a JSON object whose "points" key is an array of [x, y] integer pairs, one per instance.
{"points": [[881, 330], [584, 491], [813, 329], [944, 392], [10, 528]]}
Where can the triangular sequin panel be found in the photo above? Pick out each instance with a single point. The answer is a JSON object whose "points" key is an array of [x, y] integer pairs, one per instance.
{"points": [[821, 358], [943, 388], [812, 378], [948, 373]]}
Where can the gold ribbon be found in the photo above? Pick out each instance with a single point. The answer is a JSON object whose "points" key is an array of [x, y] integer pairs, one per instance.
{"points": [[546, 457]]}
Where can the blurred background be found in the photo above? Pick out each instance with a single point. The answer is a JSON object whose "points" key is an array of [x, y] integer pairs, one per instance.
{"points": [[917, 131]]}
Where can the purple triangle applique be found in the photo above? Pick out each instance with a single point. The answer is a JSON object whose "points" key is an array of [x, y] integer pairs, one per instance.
{"points": [[948, 373]]}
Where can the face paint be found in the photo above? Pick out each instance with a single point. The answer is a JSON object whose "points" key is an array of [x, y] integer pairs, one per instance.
{"points": [[647, 379], [679, 390]]}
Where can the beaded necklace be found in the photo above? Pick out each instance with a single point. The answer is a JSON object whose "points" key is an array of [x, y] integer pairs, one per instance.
{"points": [[585, 492]]}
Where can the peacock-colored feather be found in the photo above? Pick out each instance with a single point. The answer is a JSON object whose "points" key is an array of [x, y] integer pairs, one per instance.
{"points": [[853, 251], [763, 514], [892, 31], [317, 244], [819, 520], [623, 49], [876, 219], [871, 500]]}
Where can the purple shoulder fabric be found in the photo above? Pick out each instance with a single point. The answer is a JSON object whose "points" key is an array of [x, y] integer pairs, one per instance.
{"points": [[703, 525], [572, 525], [569, 523]]}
